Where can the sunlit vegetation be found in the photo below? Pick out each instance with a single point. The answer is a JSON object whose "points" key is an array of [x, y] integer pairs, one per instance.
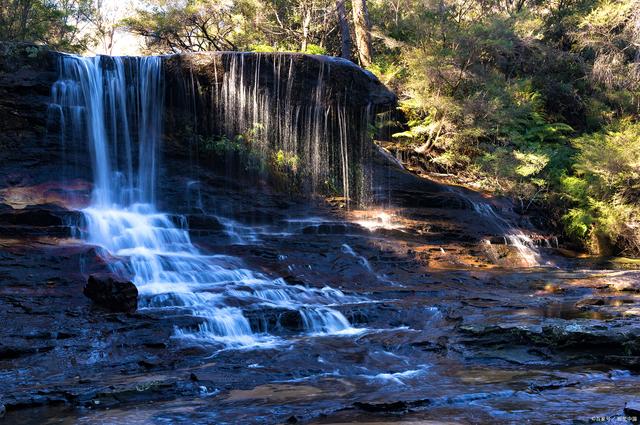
{"points": [[534, 100]]}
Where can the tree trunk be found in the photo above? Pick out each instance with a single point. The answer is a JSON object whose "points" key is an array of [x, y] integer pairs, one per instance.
{"points": [[363, 31], [306, 24], [345, 34]]}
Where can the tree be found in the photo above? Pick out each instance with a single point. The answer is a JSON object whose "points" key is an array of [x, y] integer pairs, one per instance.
{"points": [[58, 23], [612, 31], [362, 27], [105, 22], [197, 25], [299, 24], [345, 33]]}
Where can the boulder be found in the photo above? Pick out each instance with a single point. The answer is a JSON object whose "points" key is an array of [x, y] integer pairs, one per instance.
{"points": [[107, 290]]}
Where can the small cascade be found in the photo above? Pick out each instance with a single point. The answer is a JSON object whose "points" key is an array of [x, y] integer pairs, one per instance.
{"points": [[513, 236], [115, 105], [347, 249]]}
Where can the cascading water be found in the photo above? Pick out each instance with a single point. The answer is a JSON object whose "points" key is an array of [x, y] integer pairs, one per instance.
{"points": [[258, 97], [115, 104], [512, 235]]}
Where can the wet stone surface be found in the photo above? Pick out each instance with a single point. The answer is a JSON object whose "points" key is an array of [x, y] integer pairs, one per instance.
{"points": [[436, 338]]}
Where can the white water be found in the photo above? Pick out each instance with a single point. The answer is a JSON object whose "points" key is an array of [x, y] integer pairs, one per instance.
{"points": [[512, 236], [115, 104]]}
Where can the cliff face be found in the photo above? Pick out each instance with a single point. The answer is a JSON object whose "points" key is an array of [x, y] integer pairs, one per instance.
{"points": [[312, 111], [26, 75], [301, 74], [27, 156], [315, 108]]}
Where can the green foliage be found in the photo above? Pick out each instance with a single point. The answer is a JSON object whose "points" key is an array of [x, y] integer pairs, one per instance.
{"points": [[50, 22], [256, 25], [314, 49], [262, 48], [605, 189], [195, 25], [388, 70], [240, 149], [528, 99], [537, 100], [222, 145], [286, 161], [578, 222], [282, 167]]}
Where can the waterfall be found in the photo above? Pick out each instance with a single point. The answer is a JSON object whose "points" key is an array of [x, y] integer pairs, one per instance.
{"points": [[111, 102], [277, 103], [115, 105]]}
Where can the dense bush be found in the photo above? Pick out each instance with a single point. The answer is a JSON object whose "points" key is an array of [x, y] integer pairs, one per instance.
{"points": [[604, 189], [534, 100]]}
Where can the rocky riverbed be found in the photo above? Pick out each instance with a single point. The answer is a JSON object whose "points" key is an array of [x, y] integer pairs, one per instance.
{"points": [[442, 330]]}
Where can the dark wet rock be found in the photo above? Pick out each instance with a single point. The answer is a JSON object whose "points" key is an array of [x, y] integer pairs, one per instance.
{"points": [[590, 340], [111, 292], [258, 217], [26, 74], [395, 406], [3, 410], [140, 392], [588, 302], [291, 320], [265, 252], [275, 320], [498, 240], [30, 156], [32, 217], [632, 408], [8, 352], [150, 363], [630, 362], [333, 229], [203, 222], [41, 220], [553, 385], [293, 280], [440, 345], [35, 231], [356, 317]]}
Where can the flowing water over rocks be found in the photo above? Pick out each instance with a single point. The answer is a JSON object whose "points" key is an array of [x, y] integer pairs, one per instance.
{"points": [[171, 274], [256, 307]]}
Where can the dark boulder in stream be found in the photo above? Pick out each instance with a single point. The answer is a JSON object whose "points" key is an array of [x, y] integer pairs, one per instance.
{"points": [[112, 292]]}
